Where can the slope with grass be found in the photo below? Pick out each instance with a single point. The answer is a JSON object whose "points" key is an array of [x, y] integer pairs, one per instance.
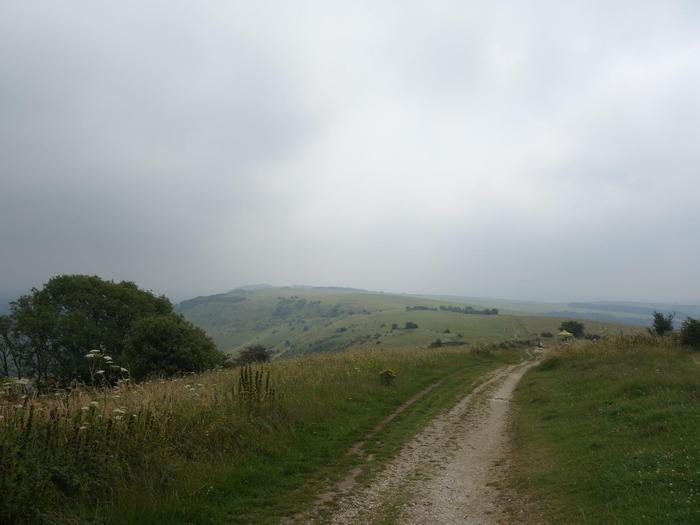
{"points": [[308, 320], [608, 433]]}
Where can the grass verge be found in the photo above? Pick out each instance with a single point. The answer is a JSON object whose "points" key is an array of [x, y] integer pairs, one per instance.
{"points": [[608, 433]]}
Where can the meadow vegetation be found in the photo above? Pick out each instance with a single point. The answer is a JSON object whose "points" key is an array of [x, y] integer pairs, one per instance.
{"points": [[294, 321], [607, 432], [238, 445]]}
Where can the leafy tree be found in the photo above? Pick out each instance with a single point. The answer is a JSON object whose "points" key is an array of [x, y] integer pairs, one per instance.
{"points": [[253, 354], [167, 345], [73, 314], [574, 327], [11, 349], [411, 325], [690, 333], [662, 323]]}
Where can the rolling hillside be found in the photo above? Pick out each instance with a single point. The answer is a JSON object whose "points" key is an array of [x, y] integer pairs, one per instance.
{"points": [[296, 320]]}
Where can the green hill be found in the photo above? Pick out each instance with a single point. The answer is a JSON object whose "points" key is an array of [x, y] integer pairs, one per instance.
{"points": [[296, 320]]}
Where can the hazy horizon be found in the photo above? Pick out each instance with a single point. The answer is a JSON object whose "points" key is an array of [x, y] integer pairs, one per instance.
{"points": [[529, 150]]}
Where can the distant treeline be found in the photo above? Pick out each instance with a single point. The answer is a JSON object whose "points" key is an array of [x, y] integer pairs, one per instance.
{"points": [[456, 309]]}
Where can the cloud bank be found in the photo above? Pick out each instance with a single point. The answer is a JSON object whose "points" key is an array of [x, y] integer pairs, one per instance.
{"points": [[526, 149]]}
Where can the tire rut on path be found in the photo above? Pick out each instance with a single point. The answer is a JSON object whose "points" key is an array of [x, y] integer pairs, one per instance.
{"points": [[446, 473]]}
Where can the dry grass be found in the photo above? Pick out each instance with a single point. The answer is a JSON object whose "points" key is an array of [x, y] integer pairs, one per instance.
{"points": [[86, 447]]}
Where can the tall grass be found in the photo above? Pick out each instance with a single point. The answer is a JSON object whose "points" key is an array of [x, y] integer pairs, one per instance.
{"points": [[86, 454]]}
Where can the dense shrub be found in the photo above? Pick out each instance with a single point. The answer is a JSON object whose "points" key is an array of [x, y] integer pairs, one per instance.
{"points": [[387, 377], [690, 333], [662, 324], [253, 354], [167, 345], [576, 328], [410, 325]]}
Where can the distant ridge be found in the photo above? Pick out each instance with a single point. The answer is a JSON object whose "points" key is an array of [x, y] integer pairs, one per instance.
{"points": [[254, 287], [681, 310], [329, 288]]}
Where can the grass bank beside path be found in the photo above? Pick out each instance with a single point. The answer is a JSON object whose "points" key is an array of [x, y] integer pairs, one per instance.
{"points": [[610, 433], [219, 447]]}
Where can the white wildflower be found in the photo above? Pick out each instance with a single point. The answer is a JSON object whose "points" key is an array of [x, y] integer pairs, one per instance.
{"points": [[118, 418], [83, 427], [94, 403], [89, 356], [100, 372], [19, 406], [107, 358], [119, 410], [123, 369], [84, 409]]}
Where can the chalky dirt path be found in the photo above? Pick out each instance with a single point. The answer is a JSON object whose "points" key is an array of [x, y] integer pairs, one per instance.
{"points": [[449, 472]]}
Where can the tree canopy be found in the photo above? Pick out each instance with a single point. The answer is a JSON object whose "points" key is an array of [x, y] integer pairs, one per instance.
{"points": [[53, 328], [166, 345], [253, 354], [662, 324]]}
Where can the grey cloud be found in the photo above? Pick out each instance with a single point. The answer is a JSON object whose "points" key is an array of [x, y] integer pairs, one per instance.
{"points": [[541, 150]]}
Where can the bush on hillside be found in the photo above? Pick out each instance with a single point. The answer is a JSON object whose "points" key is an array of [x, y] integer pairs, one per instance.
{"points": [[167, 345], [690, 333], [410, 325], [576, 328], [387, 377], [546, 334], [662, 324], [253, 354]]}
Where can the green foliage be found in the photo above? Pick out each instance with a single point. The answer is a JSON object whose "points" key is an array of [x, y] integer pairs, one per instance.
{"points": [[410, 325], [662, 324], [576, 328], [167, 345], [387, 377], [72, 314], [690, 333], [253, 354], [546, 334]]}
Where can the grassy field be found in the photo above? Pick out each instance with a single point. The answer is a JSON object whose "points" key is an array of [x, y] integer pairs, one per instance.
{"points": [[225, 446], [296, 321], [610, 433]]}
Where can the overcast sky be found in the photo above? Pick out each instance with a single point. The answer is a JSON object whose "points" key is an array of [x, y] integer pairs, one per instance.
{"points": [[540, 150]]}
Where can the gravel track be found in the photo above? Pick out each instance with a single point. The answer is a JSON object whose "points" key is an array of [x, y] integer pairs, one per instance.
{"points": [[448, 473]]}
